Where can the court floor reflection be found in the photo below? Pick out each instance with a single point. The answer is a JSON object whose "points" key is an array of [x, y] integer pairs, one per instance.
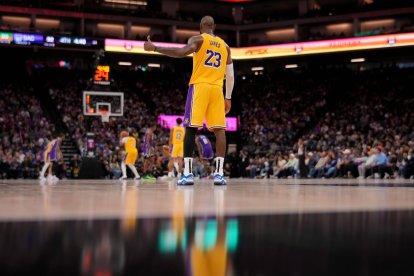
{"points": [[185, 243], [361, 243]]}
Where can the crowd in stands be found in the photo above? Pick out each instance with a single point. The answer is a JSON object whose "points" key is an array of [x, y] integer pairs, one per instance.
{"points": [[277, 110], [346, 127], [363, 135], [24, 131]]}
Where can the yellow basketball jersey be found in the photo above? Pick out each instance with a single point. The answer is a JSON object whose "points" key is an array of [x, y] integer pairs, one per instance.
{"points": [[209, 63], [178, 135], [130, 144]]}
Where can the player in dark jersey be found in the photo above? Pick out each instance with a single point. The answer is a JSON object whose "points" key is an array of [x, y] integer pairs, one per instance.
{"points": [[148, 152], [49, 155], [205, 151]]}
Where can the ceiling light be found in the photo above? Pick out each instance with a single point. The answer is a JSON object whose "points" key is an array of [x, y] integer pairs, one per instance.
{"points": [[354, 60], [291, 66], [258, 68], [155, 65]]}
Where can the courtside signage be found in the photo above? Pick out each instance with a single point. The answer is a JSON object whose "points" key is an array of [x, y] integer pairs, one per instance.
{"points": [[169, 121], [133, 46], [281, 50]]}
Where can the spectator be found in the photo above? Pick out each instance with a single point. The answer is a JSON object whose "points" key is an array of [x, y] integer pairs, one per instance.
{"points": [[114, 168], [320, 167], [367, 164], [289, 169], [380, 166]]}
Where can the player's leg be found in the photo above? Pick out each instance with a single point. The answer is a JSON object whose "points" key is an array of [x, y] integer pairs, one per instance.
{"points": [[45, 158], [171, 162], [145, 165], [216, 120], [171, 167], [123, 168], [189, 144], [50, 176], [220, 149], [53, 157], [151, 165], [130, 162], [195, 109], [43, 171], [134, 171], [178, 162]]}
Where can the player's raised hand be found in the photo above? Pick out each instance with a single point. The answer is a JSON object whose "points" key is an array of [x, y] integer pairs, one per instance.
{"points": [[148, 45]]}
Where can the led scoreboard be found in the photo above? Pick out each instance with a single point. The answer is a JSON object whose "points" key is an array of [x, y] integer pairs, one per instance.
{"points": [[34, 39], [101, 75]]}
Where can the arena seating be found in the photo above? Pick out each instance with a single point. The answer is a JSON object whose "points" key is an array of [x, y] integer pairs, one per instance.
{"points": [[341, 123], [24, 130]]}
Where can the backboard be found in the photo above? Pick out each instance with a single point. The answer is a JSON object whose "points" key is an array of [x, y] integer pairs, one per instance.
{"points": [[96, 102]]}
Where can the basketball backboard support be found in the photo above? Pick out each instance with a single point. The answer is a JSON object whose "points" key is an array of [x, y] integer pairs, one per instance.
{"points": [[96, 103]]}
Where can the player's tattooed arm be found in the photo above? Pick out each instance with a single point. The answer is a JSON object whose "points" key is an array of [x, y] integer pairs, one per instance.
{"points": [[193, 45]]}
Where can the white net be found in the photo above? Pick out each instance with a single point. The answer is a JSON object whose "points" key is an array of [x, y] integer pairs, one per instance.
{"points": [[105, 116]]}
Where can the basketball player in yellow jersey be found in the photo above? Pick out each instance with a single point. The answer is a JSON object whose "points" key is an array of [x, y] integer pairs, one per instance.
{"points": [[131, 155], [211, 62], [177, 134]]}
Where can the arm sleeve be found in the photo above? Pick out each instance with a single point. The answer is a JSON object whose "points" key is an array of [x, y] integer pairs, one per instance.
{"points": [[229, 80]]}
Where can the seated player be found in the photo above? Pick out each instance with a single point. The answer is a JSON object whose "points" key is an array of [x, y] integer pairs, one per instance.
{"points": [[205, 150], [176, 147], [49, 155], [148, 151], [131, 155]]}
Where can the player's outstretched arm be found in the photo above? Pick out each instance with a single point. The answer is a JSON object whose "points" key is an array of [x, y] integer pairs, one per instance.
{"points": [[193, 45]]}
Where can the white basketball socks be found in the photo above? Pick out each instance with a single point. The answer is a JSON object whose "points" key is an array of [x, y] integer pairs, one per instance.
{"points": [[134, 170], [219, 165], [188, 165], [123, 169], [43, 171]]}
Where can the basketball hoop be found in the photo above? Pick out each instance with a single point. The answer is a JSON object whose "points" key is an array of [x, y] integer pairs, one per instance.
{"points": [[104, 115]]}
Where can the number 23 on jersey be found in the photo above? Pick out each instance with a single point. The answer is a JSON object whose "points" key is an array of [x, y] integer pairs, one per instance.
{"points": [[213, 59]]}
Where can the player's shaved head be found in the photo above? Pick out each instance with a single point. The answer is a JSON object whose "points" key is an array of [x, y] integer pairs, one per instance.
{"points": [[207, 21], [207, 24]]}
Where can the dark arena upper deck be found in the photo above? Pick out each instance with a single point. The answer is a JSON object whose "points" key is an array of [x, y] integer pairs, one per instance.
{"points": [[313, 174]]}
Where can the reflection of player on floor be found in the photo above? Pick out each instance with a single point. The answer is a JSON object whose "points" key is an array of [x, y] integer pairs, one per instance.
{"points": [[131, 155], [205, 150], [149, 152], [49, 155], [211, 61], [177, 134]]}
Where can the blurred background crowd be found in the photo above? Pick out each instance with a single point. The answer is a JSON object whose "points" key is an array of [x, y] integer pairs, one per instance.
{"points": [[357, 125]]}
